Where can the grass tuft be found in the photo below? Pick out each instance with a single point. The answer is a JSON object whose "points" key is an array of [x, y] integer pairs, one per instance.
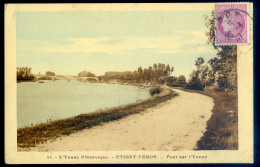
{"points": [[155, 90]]}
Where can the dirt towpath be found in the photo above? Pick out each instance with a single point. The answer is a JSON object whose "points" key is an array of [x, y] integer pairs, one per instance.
{"points": [[173, 125]]}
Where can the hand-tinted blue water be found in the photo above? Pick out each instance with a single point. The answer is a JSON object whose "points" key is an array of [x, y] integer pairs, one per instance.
{"points": [[39, 102]]}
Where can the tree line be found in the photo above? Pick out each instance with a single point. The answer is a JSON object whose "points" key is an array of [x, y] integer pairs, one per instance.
{"points": [[157, 73], [24, 73]]}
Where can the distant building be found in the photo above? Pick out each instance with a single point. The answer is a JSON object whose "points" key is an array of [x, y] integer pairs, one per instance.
{"points": [[86, 74], [49, 73]]}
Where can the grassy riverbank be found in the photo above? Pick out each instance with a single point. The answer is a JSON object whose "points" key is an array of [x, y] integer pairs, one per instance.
{"points": [[222, 127], [31, 136]]}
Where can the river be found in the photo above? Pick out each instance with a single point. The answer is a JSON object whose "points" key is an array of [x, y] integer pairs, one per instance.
{"points": [[39, 102]]}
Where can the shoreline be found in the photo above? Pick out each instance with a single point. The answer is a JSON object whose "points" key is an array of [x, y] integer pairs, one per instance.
{"points": [[20, 81], [177, 124], [31, 136]]}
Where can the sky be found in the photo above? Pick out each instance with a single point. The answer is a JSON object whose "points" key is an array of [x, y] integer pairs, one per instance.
{"points": [[99, 41]]}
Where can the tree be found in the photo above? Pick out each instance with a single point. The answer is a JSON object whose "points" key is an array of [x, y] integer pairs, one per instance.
{"points": [[24, 73], [152, 73], [154, 67], [168, 70], [140, 71], [199, 62], [206, 76], [225, 64], [181, 80], [170, 80], [161, 80], [223, 67], [172, 69], [194, 81]]}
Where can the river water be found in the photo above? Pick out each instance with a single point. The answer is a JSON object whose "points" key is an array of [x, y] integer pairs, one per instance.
{"points": [[39, 102]]}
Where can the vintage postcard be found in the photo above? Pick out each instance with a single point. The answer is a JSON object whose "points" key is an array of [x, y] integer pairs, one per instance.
{"points": [[129, 83]]}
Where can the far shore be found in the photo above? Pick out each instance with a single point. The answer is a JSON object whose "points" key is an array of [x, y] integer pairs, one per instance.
{"points": [[224, 111], [85, 79]]}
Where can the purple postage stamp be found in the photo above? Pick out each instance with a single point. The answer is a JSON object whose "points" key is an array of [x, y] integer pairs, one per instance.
{"points": [[232, 24]]}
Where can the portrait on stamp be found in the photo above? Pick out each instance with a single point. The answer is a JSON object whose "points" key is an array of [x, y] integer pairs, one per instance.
{"points": [[232, 23]]}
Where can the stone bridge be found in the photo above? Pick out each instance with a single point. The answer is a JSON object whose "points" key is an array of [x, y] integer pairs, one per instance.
{"points": [[88, 78], [66, 77]]}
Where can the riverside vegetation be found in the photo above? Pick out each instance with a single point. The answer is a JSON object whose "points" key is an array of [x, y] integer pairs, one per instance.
{"points": [[31, 136], [218, 79], [222, 127], [23, 74]]}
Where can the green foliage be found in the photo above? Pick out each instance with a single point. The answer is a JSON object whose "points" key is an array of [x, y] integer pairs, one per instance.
{"points": [[24, 73], [155, 90], [170, 80], [199, 62], [222, 69], [224, 66], [194, 84], [159, 73], [201, 77], [181, 80]]}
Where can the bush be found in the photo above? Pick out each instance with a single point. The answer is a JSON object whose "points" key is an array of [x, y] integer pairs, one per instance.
{"points": [[155, 90], [194, 86]]}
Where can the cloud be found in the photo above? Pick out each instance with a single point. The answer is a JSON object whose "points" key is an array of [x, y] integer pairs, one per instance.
{"points": [[206, 49], [176, 43]]}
